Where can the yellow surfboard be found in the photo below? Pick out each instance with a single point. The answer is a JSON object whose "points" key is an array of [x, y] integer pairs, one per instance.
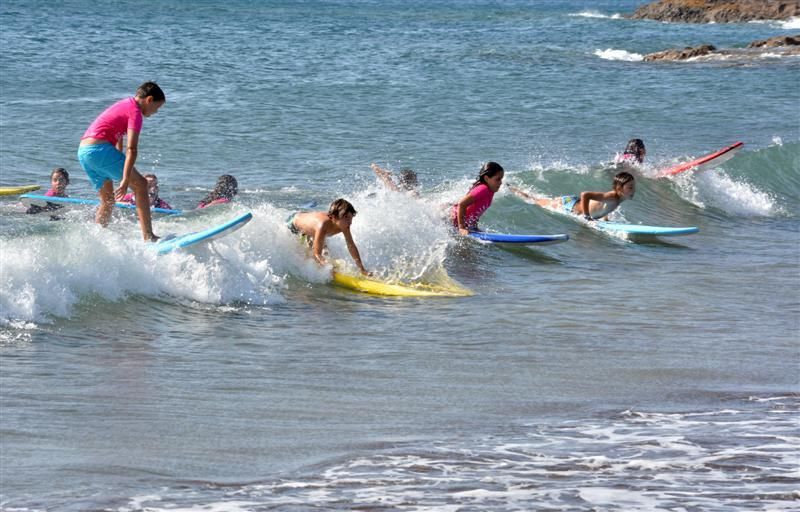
{"points": [[377, 287], [12, 191]]}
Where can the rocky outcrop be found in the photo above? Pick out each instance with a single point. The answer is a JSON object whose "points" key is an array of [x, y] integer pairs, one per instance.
{"points": [[787, 45], [718, 11], [773, 42], [686, 53]]}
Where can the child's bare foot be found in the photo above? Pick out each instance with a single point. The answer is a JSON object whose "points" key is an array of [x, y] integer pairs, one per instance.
{"points": [[153, 238]]}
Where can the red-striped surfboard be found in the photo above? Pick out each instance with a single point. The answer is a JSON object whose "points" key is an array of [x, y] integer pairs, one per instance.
{"points": [[710, 160]]}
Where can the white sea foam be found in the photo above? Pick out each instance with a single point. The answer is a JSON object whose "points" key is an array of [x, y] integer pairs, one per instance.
{"points": [[770, 398], [633, 461], [619, 498], [226, 506], [392, 250], [737, 197], [790, 24], [623, 55], [596, 14], [544, 169], [48, 274], [713, 189]]}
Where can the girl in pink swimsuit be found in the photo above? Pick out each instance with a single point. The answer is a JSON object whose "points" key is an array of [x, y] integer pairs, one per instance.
{"points": [[469, 209], [223, 192], [633, 155], [59, 179]]}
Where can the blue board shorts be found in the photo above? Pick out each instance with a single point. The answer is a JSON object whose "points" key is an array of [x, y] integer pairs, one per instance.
{"points": [[101, 162], [568, 203]]}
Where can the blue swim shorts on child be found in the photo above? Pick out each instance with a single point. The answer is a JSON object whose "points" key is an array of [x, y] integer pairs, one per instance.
{"points": [[568, 203], [101, 162]]}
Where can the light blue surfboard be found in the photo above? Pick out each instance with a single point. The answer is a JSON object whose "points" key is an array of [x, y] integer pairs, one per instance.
{"points": [[39, 200], [502, 238], [639, 229], [171, 243], [630, 229]]}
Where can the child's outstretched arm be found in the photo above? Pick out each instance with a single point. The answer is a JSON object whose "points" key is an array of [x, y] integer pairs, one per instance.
{"points": [[593, 196], [351, 246], [461, 213], [319, 244], [386, 177]]}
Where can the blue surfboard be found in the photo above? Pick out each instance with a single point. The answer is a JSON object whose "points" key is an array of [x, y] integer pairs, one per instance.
{"points": [[501, 238], [171, 243], [639, 229], [39, 200]]}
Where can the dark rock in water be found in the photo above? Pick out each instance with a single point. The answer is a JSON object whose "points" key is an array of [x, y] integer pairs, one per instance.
{"points": [[774, 47], [686, 53], [772, 42], [718, 11]]}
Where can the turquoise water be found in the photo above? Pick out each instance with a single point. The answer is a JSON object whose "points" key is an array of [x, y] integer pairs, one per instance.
{"points": [[598, 374]]}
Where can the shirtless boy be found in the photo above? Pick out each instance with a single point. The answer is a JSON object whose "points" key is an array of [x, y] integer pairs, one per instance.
{"points": [[317, 226]]}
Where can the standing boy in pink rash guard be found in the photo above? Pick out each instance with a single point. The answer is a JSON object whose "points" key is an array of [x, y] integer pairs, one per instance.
{"points": [[100, 154]]}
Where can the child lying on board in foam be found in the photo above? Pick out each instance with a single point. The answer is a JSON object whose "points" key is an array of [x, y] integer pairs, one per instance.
{"points": [[224, 191], [152, 193], [407, 181]]}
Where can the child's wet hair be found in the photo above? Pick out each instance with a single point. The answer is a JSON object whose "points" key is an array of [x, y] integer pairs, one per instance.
{"points": [[621, 179], [340, 207], [408, 179], [151, 89], [636, 148], [226, 188], [60, 170], [488, 170]]}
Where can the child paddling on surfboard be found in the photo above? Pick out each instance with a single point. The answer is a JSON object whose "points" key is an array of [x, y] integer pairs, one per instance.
{"points": [[633, 155], [466, 213], [152, 194], [224, 191], [100, 154], [407, 181], [59, 179], [315, 227], [590, 205]]}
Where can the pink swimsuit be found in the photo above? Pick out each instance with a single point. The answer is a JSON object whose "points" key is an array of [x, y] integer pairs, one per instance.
{"points": [[221, 200], [627, 158], [483, 200], [160, 203]]}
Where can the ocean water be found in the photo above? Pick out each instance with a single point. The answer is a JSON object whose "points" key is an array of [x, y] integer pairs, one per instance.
{"points": [[598, 374]]}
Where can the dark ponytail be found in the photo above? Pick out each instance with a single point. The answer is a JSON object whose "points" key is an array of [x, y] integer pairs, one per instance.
{"points": [[488, 170]]}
